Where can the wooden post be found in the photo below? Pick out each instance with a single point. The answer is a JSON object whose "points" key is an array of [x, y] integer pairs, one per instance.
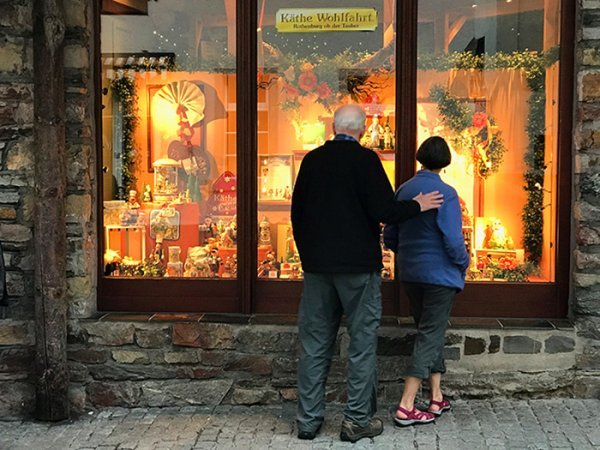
{"points": [[52, 379]]}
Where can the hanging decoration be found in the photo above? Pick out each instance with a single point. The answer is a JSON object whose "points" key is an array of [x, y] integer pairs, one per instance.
{"points": [[474, 134], [123, 88]]}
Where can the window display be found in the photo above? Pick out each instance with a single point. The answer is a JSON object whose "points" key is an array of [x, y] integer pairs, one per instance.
{"points": [[169, 184], [305, 73], [489, 86]]}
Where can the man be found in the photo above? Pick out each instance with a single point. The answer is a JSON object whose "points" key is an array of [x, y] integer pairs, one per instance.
{"points": [[341, 197]]}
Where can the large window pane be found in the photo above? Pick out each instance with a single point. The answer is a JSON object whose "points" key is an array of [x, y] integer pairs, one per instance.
{"points": [[488, 83], [169, 147], [311, 59]]}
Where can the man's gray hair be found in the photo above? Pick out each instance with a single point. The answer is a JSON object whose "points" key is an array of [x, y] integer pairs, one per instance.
{"points": [[349, 118]]}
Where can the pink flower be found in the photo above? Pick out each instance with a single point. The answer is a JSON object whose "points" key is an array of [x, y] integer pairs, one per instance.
{"points": [[323, 90], [291, 90], [307, 81], [480, 120]]}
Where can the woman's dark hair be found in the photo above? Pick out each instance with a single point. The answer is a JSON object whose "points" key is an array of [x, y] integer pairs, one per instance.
{"points": [[434, 153]]}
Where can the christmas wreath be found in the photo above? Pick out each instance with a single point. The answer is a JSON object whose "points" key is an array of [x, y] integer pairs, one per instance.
{"points": [[474, 134]]}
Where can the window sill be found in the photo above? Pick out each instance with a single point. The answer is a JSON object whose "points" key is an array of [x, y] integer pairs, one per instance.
{"points": [[286, 319]]}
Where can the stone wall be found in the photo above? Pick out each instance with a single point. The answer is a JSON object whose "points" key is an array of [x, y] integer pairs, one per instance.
{"points": [[131, 364], [586, 270], [16, 199], [17, 152]]}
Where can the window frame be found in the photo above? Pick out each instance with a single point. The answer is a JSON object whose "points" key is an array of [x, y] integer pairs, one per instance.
{"points": [[247, 294]]}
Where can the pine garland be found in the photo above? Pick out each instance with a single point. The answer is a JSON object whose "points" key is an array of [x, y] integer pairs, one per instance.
{"points": [[124, 90], [534, 67]]}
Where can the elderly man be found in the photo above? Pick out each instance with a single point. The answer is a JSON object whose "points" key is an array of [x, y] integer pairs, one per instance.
{"points": [[341, 197]]}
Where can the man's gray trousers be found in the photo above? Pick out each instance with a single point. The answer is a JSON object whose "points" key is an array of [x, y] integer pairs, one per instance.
{"points": [[325, 298]]}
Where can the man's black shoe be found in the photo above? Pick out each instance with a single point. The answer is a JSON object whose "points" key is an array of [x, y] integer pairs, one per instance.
{"points": [[308, 435], [352, 432]]}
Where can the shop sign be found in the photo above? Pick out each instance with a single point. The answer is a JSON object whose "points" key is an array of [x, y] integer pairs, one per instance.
{"points": [[313, 20]]}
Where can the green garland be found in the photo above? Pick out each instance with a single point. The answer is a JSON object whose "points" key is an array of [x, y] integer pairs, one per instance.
{"points": [[458, 117], [123, 88], [534, 66]]}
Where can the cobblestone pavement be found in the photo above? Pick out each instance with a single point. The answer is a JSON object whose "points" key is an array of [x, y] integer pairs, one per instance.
{"points": [[472, 424]]}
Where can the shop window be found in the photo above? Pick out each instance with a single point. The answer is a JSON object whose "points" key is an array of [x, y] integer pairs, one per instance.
{"points": [[487, 81], [312, 59], [169, 142]]}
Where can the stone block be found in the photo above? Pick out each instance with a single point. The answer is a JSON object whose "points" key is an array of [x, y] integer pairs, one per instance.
{"points": [[289, 394], [109, 333], [79, 207], [586, 386], [11, 57], [453, 339], [16, 332], [588, 111], [137, 372], [204, 373], [452, 353], [16, 90], [494, 344], [521, 345], [8, 213], [15, 283], [587, 261], [130, 357], [588, 327], [590, 57], [153, 337], [559, 344], [258, 396], [589, 86], [103, 394], [17, 399], [213, 358], [76, 57], [20, 155], [392, 368], [587, 235], [87, 355], [253, 364], [586, 302], [17, 17], [589, 361], [181, 357], [10, 197], [284, 367], [184, 392], [15, 233], [77, 398], [203, 335], [266, 340], [17, 360], [474, 346], [78, 372], [397, 345], [586, 280], [75, 13]]}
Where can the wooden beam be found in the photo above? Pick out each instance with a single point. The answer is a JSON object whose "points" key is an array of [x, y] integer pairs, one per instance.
{"points": [[52, 378], [125, 7], [453, 31]]}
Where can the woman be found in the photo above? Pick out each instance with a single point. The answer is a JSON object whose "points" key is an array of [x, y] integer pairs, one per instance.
{"points": [[432, 261]]}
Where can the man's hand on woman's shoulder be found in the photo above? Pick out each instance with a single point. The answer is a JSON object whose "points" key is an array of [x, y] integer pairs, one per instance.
{"points": [[431, 200]]}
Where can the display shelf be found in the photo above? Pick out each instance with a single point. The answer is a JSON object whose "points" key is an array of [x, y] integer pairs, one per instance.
{"points": [[128, 244]]}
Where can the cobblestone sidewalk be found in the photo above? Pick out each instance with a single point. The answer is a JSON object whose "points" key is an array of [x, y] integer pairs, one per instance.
{"points": [[473, 424]]}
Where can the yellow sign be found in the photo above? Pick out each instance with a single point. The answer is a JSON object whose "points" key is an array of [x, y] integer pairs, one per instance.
{"points": [[314, 20]]}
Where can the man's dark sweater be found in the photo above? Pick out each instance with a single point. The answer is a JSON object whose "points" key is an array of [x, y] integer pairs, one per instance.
{"points": [[341, 196]]}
